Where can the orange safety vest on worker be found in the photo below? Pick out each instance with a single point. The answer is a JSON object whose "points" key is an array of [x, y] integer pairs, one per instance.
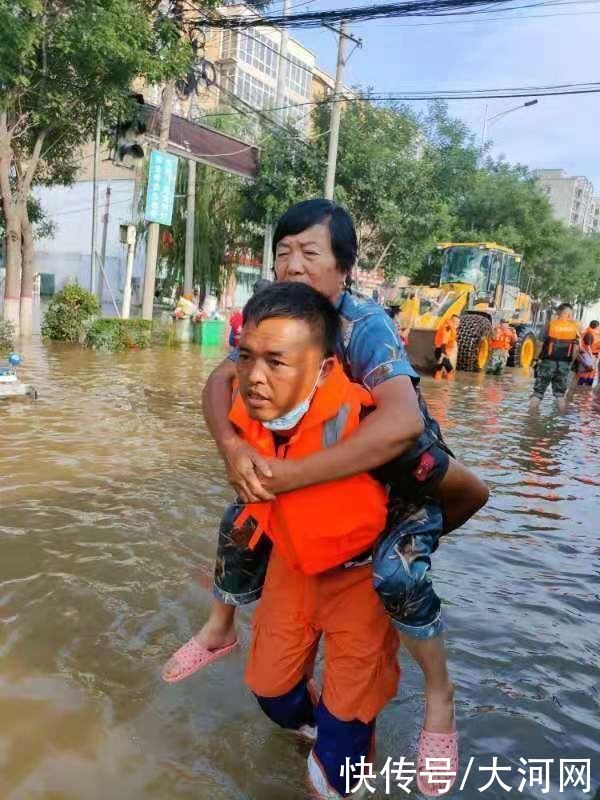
{"points": [[503, 338], [595, 334], [560, 341], [321, 526], [445, 337]]}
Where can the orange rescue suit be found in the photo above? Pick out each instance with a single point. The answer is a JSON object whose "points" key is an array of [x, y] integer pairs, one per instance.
{"points": [[322, 526], [560, 341], [504, 338], [595, 334], [445, 337]]}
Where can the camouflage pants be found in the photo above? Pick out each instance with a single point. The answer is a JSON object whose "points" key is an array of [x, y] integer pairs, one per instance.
{"points": [[497, 362], [551, 372]]}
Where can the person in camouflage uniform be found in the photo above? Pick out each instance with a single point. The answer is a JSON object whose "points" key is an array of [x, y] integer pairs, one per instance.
{"points": [[558, 352]]}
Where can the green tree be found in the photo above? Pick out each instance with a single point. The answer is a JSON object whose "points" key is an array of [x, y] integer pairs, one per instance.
{"points": [[60, 61], [570, 270], [411, 181], [383, 178], [218, 228]]}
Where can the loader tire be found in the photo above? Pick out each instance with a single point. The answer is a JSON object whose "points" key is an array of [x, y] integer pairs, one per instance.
{"points": [[523, 353], [474, 335]]}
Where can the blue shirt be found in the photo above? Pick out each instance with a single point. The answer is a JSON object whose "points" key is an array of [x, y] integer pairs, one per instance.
{"points": [[369, 347]]}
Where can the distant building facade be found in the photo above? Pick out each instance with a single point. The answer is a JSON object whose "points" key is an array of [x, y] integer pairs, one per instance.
{"points": [[572, 199]]}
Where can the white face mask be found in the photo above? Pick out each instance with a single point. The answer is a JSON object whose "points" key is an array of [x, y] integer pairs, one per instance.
{"points": [[293, 417]]}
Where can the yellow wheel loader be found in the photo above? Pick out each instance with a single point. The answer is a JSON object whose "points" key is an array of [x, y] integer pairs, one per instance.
{"points": [[480, 282]]}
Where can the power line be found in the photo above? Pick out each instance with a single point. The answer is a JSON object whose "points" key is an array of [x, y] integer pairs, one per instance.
{"points": [[414, 8], [486, 19], [557, 90]]}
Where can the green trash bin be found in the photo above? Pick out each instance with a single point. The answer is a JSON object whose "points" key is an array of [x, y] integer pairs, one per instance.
{"points": [[209, 331]]}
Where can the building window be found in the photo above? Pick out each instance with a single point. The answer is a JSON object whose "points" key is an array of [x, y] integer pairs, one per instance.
{"points": [[299, 77], [227, 80], [229, 45], [298, 117], [578, 193], [259, 52], [252, 91]]}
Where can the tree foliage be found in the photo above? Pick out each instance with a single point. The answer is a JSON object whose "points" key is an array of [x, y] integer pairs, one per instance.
{"points": [[217, 228], [60, 62], [410, 181]]}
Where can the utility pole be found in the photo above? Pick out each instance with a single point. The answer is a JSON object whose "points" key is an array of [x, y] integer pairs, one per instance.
{"points": [[484, 126], [282, 71], [93, 282], [336, 111], [267, 262], [128, 233], [282, 66], [154, 227], [190, 219], [104, 237]]}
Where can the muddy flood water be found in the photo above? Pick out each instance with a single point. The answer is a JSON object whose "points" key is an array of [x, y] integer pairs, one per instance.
{"points": [[110, 497]]}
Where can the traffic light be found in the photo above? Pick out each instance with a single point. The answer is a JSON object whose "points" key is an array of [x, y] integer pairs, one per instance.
{"points": [[130, 134]]}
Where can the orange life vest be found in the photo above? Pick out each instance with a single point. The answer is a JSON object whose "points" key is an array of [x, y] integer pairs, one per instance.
{"points": [[504, 338], [445, 336], [560, 340], [595, 334], [321, 526]]}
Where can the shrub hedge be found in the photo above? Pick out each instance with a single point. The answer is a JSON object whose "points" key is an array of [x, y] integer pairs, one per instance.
{"points": [[68, 312], [113, 334]]}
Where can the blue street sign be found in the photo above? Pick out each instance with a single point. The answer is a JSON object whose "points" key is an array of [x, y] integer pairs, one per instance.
{"points": [[160, 193]]}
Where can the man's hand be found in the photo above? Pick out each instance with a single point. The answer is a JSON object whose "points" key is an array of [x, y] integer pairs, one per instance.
{"points": [[247, 470]]}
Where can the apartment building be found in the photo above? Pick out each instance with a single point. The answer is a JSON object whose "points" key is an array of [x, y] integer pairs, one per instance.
{"points": [[245, 65], [242, 67], [572, 198], [594, 215]]}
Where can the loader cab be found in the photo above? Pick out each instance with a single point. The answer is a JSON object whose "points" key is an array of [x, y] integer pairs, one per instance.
{"points": [[491, 272], [466, 264]]}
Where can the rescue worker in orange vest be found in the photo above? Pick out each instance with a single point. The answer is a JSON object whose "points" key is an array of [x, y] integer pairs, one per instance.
{"points": [[593, 330], [559, 350], [292, 396], [504, 337], [323, 540], [446, 349], [584, 365]]}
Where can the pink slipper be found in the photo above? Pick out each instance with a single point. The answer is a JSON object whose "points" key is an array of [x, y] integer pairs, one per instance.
{"points": [[437, 777], [192, 657]]}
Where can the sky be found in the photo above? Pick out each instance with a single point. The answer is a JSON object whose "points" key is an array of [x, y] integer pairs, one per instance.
{"points": [[505, 51]]}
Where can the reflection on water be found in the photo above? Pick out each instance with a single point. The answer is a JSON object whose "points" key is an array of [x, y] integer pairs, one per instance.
{"points": [[110, 495]]}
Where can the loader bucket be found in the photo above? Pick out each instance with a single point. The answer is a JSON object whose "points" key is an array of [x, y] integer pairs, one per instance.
{"points": [[420, 349]]}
